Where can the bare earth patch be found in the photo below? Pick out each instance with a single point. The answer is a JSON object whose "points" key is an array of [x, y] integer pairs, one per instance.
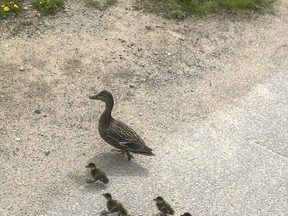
{"points": [[165, 75]]}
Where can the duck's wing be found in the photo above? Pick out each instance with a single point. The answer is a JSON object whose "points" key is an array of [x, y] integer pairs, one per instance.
{"points": [[169, 210], [102, 177], [118, 207], [124, 137]]}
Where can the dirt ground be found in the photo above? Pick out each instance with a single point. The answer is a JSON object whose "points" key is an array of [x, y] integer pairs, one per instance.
{"points": [[165, 75]]}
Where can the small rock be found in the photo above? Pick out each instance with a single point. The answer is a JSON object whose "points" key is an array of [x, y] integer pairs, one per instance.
{"points": [[122, 40], [148, 27], [22, 68], [18, 139], [37, 111], [46, 152], [131, 85]]}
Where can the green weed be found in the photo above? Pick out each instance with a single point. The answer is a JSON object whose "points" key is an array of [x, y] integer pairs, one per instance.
{"points": [[47, 7], [9, 8], [181, 8], [101, 4]]}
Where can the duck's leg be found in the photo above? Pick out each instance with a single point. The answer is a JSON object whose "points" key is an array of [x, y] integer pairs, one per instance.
{"points": [[118, 151], [121, 151], [129, 155]]}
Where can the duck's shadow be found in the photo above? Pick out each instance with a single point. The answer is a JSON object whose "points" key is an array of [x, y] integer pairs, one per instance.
{"points": [[118, 165]]}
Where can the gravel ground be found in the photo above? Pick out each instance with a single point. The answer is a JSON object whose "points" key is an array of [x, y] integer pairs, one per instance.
{"points": [[208, 95]]}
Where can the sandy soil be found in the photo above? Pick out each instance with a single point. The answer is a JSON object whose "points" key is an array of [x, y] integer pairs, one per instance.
{"points": [[164, 74]]}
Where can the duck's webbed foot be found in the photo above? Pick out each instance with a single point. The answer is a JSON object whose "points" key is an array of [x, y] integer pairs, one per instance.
{"points": [[90, 181]]}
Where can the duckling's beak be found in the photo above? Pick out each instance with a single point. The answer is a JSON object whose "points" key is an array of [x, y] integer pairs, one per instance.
{"points": [[94, 97]]}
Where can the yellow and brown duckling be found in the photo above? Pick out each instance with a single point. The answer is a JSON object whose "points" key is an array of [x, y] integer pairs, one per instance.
{"points": [[186, 214], [163, 206], [96, 174], [114, 205], [117, 133]]}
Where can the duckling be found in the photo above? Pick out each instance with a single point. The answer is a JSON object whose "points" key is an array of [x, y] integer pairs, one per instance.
{"points": [[186, 214], [114, 205], [96, 174], [117, 133], [163, 206]]}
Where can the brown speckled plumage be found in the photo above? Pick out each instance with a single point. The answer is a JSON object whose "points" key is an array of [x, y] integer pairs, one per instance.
{"points": [[114, 205], [117, 133], [163, 206], [96, 174]]}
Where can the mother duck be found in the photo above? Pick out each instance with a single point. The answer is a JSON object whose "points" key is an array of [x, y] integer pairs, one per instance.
{"points": [[117, 133]]}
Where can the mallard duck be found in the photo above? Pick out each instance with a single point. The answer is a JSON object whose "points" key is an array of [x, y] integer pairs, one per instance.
{"points": [[114, 205], [186, 214], [96, 174], [163, 206], [117, 133]]}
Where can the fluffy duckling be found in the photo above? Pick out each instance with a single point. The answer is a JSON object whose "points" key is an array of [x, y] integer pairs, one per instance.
{"points": [[96, 174], [114, 205], [163, 206], [117, 133]]}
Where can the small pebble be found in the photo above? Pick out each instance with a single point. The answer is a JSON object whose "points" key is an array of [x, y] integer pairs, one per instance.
{"points": [[22, 68], [46, 152], [148, 27], [37, 111], [18, 139]]}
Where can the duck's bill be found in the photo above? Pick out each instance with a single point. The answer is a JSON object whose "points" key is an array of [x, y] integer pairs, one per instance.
{"points": [[94, 97]]}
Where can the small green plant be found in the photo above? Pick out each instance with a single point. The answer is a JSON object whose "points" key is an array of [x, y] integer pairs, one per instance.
{"points": [[47, 7], [9, 7], [101, 4], [26, 22], [181, 8]]}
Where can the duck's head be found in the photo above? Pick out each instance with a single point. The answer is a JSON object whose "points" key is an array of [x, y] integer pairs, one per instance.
{"points": [[104, 96], [91, 166], [107, 196], [186, 214], [159, 199]]}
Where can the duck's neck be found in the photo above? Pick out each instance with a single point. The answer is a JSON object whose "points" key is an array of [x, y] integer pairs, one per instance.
{"points": [[106, 115]]}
